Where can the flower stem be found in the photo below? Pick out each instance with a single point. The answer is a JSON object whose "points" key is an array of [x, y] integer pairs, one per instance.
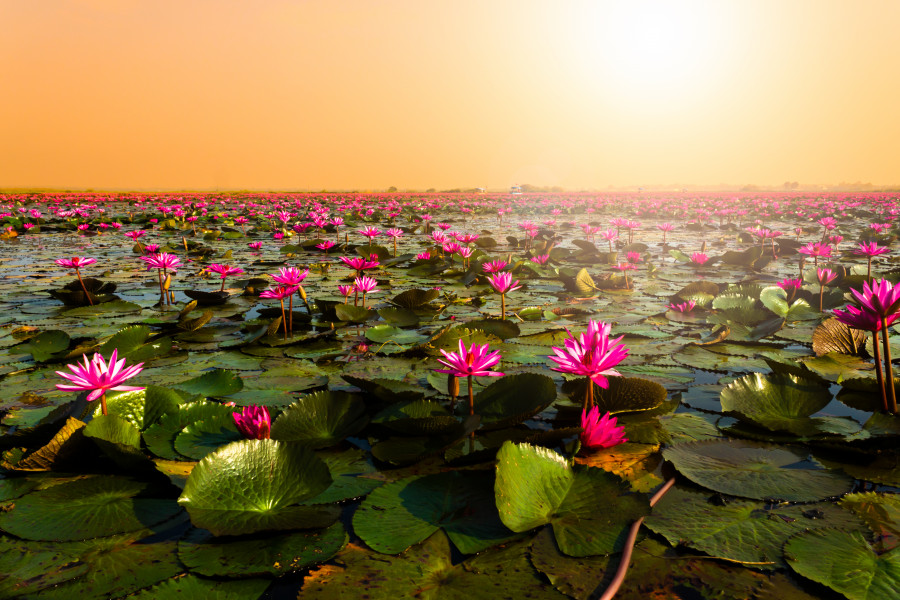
{"points": [[103, 403], [879, 373], [888, 370], [502, 306], [81, 281], [471, 403], [588, 395], [283, 319], [291, 314]]}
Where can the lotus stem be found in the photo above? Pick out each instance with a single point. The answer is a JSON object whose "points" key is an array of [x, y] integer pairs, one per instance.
{"points": [[103, 403], [619, 578], [471, 404], [162, 293], [222, 289], [879, 373], [291, 314], [869, 268], [588, 395], [888, 369], [821, 295], [86, 293], [283, 319], [502, 306]]}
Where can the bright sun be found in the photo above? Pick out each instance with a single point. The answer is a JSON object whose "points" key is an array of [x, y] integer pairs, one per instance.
{"points": [[647, 45]]}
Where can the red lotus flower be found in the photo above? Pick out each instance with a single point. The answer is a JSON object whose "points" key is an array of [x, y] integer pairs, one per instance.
{"points": [[163, 261], [76, 262], [503, 283], [699, 258], [99, 376], [861, 319], [253, 422], [600, 432], [684, 307], [473, 362], [359, 263], [494, 266], [279, 292], [290, 276], [592, 354]]}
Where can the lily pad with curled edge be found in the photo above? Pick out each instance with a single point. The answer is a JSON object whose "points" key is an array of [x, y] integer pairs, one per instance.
{"points": [[387, 390], [884, 469], [190, 587], [512, 399], [863, 393], [259, 555], [255, 485], [427, 572], [502, 328], [414, 298], [200, 438], [744, 531], [44, 345], [629, 394], [160, 437], [782, 402], [403, 513], [85, 508], [846, 563], [321, 420], [756, 470], [706, 290], [536, 487], [399, 317], [217, 382], [838, 367], [833, 336], [448, 339], [118, 439], [117, 565], [349, 470], [881, 512], [143, 407]]}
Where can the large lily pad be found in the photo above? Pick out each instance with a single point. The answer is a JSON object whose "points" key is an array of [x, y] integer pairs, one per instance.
{"points": [[217, 382], [846, 563], [741, 530], [514, 398], [833, 336], [536, 487], [255, 485], [401, 514], [85, 508], [320, 420], [782, 402], [264, 554], [755, 470]]}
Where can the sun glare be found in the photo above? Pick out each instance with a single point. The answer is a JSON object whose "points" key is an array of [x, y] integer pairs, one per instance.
{"points": [[647, 45]]}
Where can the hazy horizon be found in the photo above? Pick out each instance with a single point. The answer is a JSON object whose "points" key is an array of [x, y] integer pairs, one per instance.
{"points": [[198, 95]]}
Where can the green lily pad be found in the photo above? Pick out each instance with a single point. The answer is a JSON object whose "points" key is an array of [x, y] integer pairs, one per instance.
{"points": [[26, 571], [741, 530], [254, 485], [881, 512], [131, 343], [119, 439], [85, 508], [415, 298], [217, 382], [160, 437], [512, 399], [190, 587], [755, 470], [501, 328], [629, 394], [142, 408], [353, 314], [265, 554], [781, 402], [536, 486], [349, 470], [200, 438], [387, 390], [838, 367], [846, 563], [44, 345], [383, 334], [321, 420], [427, 572], [399, 317], [775, 299], [403, 513]]}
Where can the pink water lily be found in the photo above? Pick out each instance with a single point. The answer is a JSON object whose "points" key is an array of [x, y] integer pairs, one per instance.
{"points": [[224, 271], [503, 284], [600, 432], [253, 422], [592, 355], [76, 262], [470, 363], [100, 377]]}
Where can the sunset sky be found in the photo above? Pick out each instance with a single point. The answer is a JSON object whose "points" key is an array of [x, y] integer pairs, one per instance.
{"points": [[366, 94]]}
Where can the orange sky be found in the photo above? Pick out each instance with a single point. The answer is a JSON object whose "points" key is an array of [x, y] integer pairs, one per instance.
{"points": [[279, 94]]}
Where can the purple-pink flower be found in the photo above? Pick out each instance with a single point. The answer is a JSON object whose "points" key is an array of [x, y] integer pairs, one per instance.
{"points": [[253, 422], [600, 432], [472, 362], [99, 376], [592, 354]]}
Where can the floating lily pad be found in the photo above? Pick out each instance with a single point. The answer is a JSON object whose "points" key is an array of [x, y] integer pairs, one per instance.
{"points": [[401, 514], [85, 508], [217, 382], [200, 438], [741, 530], [846, 563], [536, 486], [754, 470], [781, 402], [265, 554], [833, 336], [254, 485], [190, 587], [514, 398], [320, 420]]}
